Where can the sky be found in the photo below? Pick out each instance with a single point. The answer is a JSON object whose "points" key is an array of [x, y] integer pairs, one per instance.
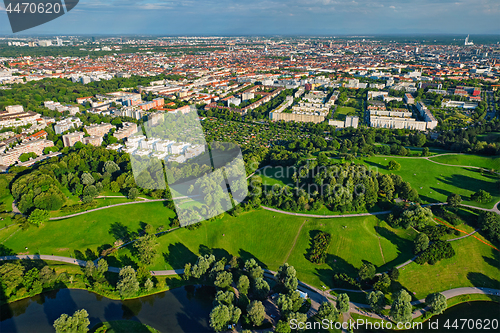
{"points": [[272, 17]]}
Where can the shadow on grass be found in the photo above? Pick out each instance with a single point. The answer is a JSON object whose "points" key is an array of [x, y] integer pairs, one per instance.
{"points": [[482, 281], [218, 253], [179, 255], [244, 255], [470, 183], [404, 248], [337, 266], [120, 232], [377, 165]]}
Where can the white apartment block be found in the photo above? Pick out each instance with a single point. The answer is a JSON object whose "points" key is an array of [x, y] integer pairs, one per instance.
{"points": [[35, 146], [14, 116], [350, 121], [66, 124]]}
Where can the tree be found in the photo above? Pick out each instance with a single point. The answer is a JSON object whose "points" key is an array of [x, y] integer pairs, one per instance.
{"points": [[39, 217], [394, 273], [243, 285], [454, 200], [288, 303], [420, 243], [287, 277], [481, 196], [401, 308], [386, 185], [261, 288], [383, 283], [224, 297], [253, 269], [367, 271], [87, 179], [77, 323], [343, 303], [282, 327], [490, 225], [133, 193], [146, 247], [102, 267], [12, 277], [425, 151], [219, 318], [110, 166], [127, 285], [256, 312], [376, 300], [148, 284], [436, 302], [89, 269], [223, 279], [298, 318], [187, 271], [393, 165], [328, 311]]}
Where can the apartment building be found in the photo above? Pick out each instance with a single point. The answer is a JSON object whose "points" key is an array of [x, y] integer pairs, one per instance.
{"points": [[69, 140], [350, 121], [127, 130], [409, 99], [34, 146], [99, 129], [427, 115], [66, 124], [93, 140], [14, 115]]}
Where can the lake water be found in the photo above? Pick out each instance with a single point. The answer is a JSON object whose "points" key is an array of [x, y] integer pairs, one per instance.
{"points": [[179, 310]]}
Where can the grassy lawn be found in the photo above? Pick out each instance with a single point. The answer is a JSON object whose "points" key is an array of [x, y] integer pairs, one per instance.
{"points": [[269, 239], [474, 265], [354, 240], [101, 202], [88, 231], [343, 111], [435, 182], [486, 162]]}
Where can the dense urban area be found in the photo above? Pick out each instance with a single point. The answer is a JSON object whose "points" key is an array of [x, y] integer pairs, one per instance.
{"points": [[372, 163]]}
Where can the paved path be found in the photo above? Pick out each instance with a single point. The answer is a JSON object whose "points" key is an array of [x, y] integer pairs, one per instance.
{"points": [[344, 215], [144, 200]]}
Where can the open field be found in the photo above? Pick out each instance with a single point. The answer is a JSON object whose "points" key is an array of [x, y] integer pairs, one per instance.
{"points": [[486, 162], [88, 231], [270, 239], [474, 265], [342, 111], [435, 182]]}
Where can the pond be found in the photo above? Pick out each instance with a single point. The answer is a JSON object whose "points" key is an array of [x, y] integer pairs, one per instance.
{"points": [[179, 310]]}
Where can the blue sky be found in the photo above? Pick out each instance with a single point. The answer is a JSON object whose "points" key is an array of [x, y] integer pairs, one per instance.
{"points": [[290, 17]]}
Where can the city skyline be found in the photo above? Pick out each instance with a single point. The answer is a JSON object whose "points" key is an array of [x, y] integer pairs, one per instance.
{"points": [[316, 17]]}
